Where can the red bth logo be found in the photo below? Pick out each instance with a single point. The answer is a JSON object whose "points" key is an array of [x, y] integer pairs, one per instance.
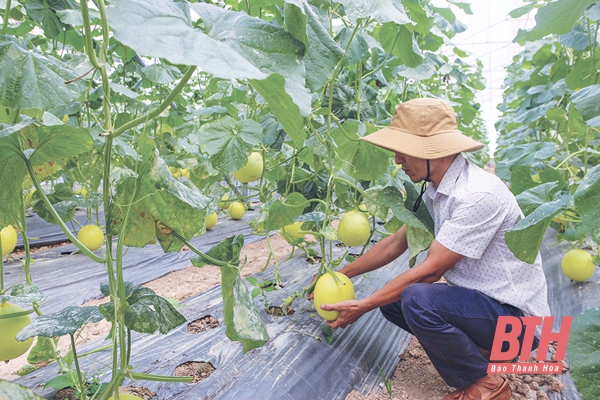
{"points": [[527, 326]]}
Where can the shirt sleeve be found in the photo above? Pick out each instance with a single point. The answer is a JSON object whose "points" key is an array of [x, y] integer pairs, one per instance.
{"points": [[474, 223]]}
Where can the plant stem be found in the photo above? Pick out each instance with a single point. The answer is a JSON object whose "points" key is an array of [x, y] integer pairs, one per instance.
{"points": [[159, 378], [163, 106], [213, 261], [23, 228], [76, 361], [57, 217], [6, 15]]}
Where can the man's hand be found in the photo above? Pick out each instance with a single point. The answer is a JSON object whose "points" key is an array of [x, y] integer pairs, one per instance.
{"points": [[350, 311]]}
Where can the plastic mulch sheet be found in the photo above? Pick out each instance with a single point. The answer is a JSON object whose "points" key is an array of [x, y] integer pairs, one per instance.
{"points": [[68, 279], [566, 298], [296, 363]]}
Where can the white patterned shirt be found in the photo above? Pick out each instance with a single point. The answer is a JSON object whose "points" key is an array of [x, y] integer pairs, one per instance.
{"points": [[472, 211]]}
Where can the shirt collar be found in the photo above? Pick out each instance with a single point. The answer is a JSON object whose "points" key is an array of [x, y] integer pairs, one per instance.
{"points": [[449, 180]]}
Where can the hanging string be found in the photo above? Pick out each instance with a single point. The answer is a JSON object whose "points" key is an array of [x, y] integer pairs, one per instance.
{"points": [[423, 187]]}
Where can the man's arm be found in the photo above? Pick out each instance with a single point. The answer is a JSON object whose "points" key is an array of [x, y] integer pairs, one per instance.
{"points": [[383, 253], [439, 260]]}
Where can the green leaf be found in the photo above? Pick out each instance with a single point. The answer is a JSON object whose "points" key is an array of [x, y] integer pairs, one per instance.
{"points": [[43, 350], [519, 12], [224, 43], [147, 312], [419, 226], [525, 238], [229, 142], [243, 322], [521, 180], [227, 251], [160, 198], [328, 333], [404, 46], [360, 159], [583, 353], [11, 390], [161, 73], [530, 199], [560, 16], [283, 105], [53, 146], [165, 29], [23, 293], [581, 75], [282, 211], [42, 12], [587, 102], [64, 322], [60, 199], [587, 201], [382, 10], [323, 52], [30, 79], [68, 379], [294, 21]]}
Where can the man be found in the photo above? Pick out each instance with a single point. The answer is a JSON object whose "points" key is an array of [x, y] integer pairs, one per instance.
{"points": [[472, 211]]}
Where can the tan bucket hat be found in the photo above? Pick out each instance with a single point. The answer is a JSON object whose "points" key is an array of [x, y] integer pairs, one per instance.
{"points": [[424, 128]]}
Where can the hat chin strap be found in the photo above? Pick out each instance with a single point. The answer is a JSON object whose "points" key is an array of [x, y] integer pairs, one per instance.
{"points": [[423, 187]]}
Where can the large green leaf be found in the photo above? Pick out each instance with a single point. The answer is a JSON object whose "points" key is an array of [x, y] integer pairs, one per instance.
{"points": [[560, 16], [521, 180], [147, 312], [283, 211], [11, 390], [227, 251], [294, 20], [165, 29], [399, 40], [587, 200], [48, 149], [243, 322], [43, 350], [530, 199], [163, 204], [584, 353], [229, 142], [581, 76], [64, 322], [224, 43], [587, 102], [44, 13], [360, 159], [23, 293], [526, 237], [382, 10], [419, 227], [60, 198], [30, 79], [283, 106], [323, 53]]}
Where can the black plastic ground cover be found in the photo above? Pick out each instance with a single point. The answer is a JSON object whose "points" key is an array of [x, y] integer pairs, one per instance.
{"points": [[294, 364], [68, 279], [566, 298]]}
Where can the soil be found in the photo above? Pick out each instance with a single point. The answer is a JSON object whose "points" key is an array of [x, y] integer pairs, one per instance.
{"points": [[198, 369], [415, 378]]}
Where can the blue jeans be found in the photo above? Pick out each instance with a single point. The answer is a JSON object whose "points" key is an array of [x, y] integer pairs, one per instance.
{"points": [[451, 323]]}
